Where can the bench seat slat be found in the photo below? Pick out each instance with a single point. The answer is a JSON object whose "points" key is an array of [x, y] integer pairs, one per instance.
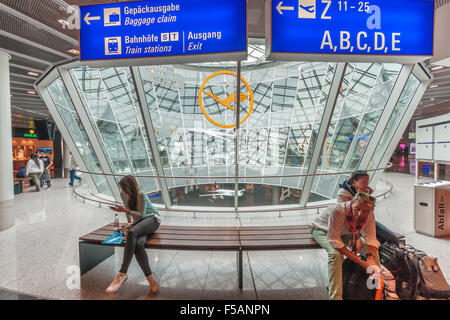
{"points": [[286, 232], [174, 232], [275, 244], [195, 237], [192, 244], [276, 236], [295, 227]]}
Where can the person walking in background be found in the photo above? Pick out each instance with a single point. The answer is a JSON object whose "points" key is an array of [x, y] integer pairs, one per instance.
{"points": [[34, 170], [73, 170], [45, 179], [144, 219]]}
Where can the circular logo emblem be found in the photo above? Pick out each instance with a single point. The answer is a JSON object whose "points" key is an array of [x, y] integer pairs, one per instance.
{"points": [[229, 102]]}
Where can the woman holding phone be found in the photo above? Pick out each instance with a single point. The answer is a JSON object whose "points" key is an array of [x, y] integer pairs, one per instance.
{"points": [[144, 219]]}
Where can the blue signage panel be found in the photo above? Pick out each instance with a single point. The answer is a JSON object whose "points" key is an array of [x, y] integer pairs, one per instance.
{"points": [[162, 28], [375, 27]]}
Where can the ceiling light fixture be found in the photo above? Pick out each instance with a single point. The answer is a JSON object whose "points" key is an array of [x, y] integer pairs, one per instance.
{"points": [[74, 51], [31, 92], [34, 74], [437, 68], [433, 86]]}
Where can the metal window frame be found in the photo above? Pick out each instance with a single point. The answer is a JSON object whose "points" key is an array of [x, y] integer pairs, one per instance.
{"points": [[392, 101], [148, 124], [333, 94], [425, 79], [42, 89], [84, 118]]}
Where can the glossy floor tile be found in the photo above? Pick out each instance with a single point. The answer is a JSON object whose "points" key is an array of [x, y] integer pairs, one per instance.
{"points": [[39, 255]]}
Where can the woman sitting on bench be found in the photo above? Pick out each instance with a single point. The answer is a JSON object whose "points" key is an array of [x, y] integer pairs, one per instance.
{"points": [[144, 218]]}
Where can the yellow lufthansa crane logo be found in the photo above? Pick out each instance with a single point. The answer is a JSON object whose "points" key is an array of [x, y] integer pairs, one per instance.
{"points": [[229, 102]]}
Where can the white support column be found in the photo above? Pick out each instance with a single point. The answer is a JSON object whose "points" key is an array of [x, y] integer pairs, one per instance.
{"points": [[396, 92], [148, 124], [7, 216], [93, 138], [399, 131], [327, 115]]}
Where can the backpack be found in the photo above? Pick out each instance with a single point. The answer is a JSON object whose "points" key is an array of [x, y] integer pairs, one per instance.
{"points": [[416, 274], [398, 261], [22, 172], [432, 283], [354, 282]]}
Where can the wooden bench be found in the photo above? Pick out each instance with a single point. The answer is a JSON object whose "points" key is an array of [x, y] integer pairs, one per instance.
{"points": [[92, 251]]}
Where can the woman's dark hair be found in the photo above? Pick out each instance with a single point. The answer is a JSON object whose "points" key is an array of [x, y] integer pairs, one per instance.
{"points": [[35, 158], [130, 186], [356, 176]]}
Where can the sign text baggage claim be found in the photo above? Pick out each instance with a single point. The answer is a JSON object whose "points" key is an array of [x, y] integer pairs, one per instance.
{"points": [[166, 17]]}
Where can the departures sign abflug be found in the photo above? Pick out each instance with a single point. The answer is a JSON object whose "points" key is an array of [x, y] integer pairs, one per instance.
{"points": [[335, 30], [186, 29]]}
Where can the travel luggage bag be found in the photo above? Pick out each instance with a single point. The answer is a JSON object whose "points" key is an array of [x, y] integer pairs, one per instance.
{"points": [[356, 284], [416, 275]]}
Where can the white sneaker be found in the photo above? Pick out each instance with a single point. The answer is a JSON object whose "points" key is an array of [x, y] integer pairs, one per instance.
{"points": [[117, 283], [154, 286]]}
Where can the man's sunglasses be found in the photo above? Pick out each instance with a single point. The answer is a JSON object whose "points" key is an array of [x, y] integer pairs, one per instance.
{"points": [[362, 195]]}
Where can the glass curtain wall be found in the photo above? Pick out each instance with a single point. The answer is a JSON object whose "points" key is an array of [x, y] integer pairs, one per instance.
{"points": [[63, 103], [192, 115]]}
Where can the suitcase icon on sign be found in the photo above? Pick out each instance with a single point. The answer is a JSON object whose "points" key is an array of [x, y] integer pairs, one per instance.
{"points": [[114, 17], [113, 45]]}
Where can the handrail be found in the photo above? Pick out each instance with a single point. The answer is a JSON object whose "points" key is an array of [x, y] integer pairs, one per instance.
{"points": [[278, 209], [230, 177]]}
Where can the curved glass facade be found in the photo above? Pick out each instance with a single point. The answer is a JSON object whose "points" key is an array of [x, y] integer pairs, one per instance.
{"points": [[280, 137]]}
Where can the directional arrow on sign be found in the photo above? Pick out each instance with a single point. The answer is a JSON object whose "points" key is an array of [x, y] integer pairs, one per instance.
{"points": [[280, 7], [87, 18]]}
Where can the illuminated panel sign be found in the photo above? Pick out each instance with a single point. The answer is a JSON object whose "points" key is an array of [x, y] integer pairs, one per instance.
{"points": [[332, 30], [178, 31]]}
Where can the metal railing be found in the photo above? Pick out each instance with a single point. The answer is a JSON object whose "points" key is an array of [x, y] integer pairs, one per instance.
{"points": [[270, 210]]}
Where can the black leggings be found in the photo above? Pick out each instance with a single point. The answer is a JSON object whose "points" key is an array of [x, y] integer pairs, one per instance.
{"points": [[137, 236]]}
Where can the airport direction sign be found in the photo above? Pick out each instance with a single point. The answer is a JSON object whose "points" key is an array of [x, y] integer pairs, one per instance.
{"points": [[333, 30], [163, 31]]}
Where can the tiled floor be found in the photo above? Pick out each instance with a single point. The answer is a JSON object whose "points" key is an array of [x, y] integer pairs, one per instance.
{"points": [[39, 256]]}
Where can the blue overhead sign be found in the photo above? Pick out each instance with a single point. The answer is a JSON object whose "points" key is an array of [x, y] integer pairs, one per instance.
{"points": [[330, 27], [163, 28]]}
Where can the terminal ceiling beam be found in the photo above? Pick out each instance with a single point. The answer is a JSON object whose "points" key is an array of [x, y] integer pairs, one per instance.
{"points": [[396, 92], [90, 132], [330, 104], [24, 56], [34, 44], [37, 24], [140, 93], [25, 68]]}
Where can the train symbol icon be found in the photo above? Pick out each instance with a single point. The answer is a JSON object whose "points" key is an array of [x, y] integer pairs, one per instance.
{"points": [[113, 46]]}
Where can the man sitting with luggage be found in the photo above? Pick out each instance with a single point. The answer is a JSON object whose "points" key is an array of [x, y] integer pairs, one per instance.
{"points": [[339, 226]]}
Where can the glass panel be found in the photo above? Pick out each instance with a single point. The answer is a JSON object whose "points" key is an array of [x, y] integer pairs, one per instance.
{"points": [[394, 121], [73, 124]]}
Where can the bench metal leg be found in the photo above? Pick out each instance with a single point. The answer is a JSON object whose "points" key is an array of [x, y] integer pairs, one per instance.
{"points": [[93, 254], [239, 267]]}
